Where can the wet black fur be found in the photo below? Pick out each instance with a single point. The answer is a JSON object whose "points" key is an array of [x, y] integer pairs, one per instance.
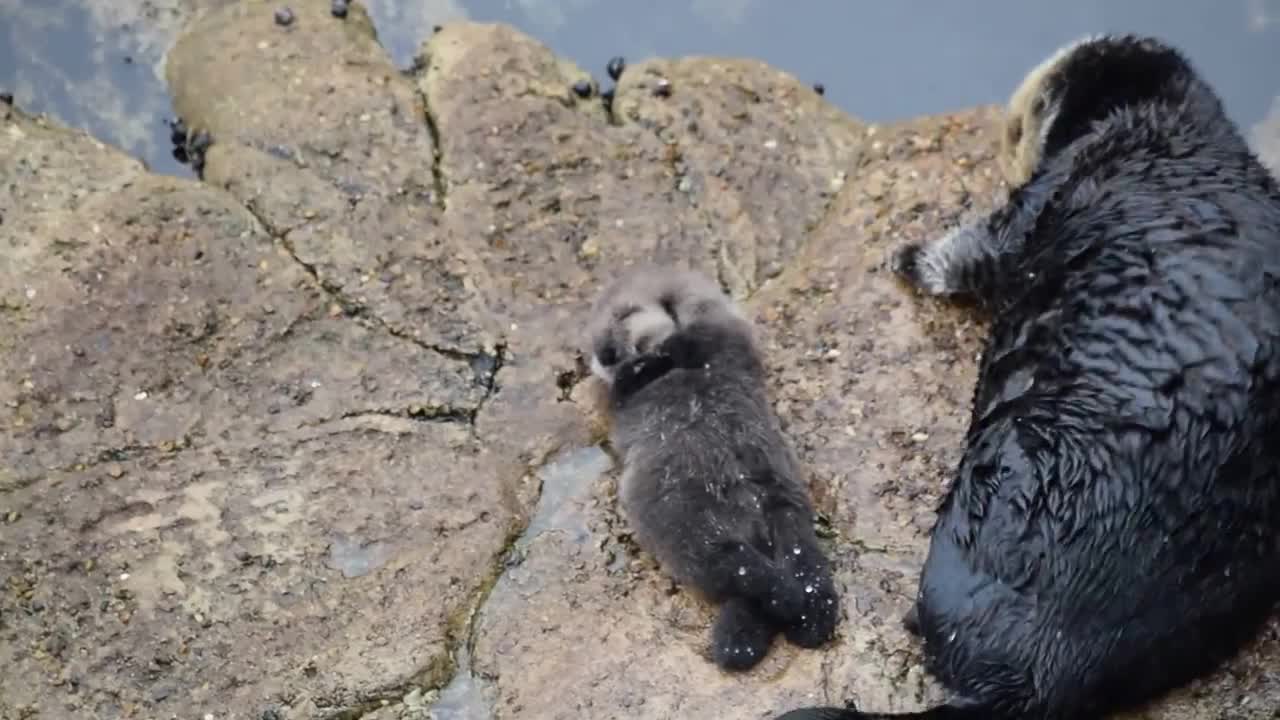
{"points": [[709, 484], [1113, 529]]}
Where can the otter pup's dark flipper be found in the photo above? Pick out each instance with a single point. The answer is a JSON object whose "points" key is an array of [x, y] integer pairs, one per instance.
{"points": [[797, 546], [742, 635], [740, 570]]}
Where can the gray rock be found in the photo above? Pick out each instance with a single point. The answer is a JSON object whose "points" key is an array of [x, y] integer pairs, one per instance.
{"points": [[272, 439]]}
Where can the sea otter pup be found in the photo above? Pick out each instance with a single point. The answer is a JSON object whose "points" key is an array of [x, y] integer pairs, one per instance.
{"points": [[1113, 529], [709, 485]]}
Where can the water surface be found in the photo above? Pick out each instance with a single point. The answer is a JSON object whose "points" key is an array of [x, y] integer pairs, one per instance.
{"points": [[95, 65]]}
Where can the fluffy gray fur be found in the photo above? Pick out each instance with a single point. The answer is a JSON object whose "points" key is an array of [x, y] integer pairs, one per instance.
{"points": [[710, 485]]}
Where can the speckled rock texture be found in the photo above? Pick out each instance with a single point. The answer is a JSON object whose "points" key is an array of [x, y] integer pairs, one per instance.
{"points": [[313, 438]]}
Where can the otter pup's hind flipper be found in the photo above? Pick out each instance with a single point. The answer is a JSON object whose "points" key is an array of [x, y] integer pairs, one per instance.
{"points": [[797, 546], [740, 570], [742, 635]]}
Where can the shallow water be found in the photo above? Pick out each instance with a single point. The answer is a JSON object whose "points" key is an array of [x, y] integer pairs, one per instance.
{"points": [[355, 558], [95, 63], [568, 482], [466, 697]]}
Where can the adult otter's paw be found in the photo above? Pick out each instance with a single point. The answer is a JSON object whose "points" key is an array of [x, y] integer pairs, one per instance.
{"points": [[923, 267], [957, 264], [911, 620], [906, 264]]}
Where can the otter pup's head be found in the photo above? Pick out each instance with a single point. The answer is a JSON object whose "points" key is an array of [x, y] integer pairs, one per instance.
{"points": [[642, 308], [1062, 98]]}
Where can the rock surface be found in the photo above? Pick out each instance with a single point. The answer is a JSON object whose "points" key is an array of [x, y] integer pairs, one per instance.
{"points": [[312, 438]]}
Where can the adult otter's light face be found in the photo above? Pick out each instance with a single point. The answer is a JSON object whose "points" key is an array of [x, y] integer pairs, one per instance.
{"points": [[1030, 112], [1022, 138], [1083, 83], [633, 331]]}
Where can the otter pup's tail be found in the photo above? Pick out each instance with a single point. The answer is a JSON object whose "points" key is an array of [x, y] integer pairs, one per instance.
{"points": [[942, 712]]}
